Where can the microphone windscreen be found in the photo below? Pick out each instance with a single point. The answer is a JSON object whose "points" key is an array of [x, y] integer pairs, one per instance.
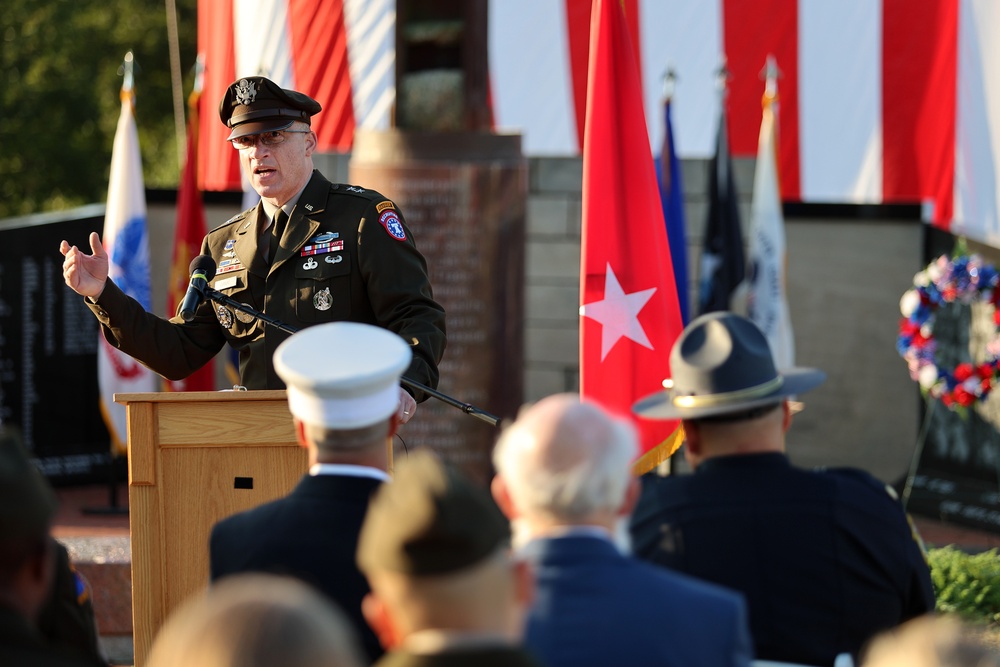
{"points": [[203, 263]]}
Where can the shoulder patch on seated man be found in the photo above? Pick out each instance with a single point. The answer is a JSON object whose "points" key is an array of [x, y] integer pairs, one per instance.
{"points": [[383, 206]]}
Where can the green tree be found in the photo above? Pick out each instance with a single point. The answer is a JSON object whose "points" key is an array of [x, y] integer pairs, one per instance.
{"points": [[59, 83]]}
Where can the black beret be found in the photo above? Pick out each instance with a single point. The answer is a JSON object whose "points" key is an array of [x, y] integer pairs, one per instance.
{"points": [[27, 503], [429, 520], [256, 104]]}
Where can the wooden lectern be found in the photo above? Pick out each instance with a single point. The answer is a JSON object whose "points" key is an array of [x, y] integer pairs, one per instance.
{"points": [[195, 458]]}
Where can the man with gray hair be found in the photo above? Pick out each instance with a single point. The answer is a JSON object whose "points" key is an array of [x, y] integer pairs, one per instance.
{"points": [[564, 480], [345, 415]]}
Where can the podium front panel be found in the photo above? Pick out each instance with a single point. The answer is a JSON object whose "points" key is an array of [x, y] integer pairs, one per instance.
{"points": [[195, 458]]}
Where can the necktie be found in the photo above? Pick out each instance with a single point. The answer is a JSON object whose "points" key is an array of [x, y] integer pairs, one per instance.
{"points": [[277, 229]]}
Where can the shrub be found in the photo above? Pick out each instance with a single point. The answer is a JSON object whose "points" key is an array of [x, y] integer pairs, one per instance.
{"points": [[967, 584]]}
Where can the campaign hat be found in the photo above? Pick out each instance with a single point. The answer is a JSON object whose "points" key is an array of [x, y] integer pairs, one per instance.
{"points": [[720, 364]]}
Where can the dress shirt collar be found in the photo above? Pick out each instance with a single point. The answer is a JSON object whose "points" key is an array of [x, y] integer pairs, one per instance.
{"points": [[270, 210], [346, 470], [742, 461]]}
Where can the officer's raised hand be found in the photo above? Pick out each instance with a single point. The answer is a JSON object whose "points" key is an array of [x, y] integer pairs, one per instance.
{"points": [[85, 274]]}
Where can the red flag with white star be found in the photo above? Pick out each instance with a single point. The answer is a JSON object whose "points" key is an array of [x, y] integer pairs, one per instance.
{"points": [[629, 308]]}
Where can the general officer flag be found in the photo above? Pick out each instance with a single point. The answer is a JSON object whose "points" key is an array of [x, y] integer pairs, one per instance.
{"points": [[630, 314], [127, 245], [188, 236], [767, 304]]}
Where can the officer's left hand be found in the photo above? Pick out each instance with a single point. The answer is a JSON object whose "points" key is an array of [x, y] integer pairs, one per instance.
{"points": [[407, 406]]}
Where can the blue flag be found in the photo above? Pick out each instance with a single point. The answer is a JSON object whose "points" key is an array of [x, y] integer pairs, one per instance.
{"points": [[672, 198]]}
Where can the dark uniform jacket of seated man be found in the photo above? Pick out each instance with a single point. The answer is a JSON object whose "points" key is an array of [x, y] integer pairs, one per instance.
{"points": [[346, 254], [825, 558]]}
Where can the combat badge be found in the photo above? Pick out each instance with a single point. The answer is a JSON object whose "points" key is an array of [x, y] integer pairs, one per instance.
{"points": [[224, 316], [323, 300], [391, 222], [244, 317]]}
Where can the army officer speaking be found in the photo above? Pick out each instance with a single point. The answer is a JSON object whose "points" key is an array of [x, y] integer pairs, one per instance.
{"points": [[311, 251]]}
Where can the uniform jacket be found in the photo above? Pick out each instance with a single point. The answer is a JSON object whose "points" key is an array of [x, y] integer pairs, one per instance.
{"points": [[21, 645], [346, 254], [311, 534], [67, 620], [826, 559], [594, 606], [478, 657]]}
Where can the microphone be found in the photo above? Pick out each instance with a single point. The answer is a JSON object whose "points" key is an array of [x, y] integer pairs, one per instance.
{"points": [[202, 271]]}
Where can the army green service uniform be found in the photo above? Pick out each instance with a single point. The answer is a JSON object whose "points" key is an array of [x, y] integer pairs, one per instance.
{"points": [[346, 254]]}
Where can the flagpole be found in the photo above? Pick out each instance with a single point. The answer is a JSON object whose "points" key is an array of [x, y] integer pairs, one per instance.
{"points": [[127, 71], [176, 80]]}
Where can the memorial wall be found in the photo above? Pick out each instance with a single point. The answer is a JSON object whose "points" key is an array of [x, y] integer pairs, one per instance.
{"points": [[48, 347]]}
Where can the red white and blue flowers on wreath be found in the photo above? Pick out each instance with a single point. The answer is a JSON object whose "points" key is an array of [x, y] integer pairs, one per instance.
{"points": [[964, 279]]}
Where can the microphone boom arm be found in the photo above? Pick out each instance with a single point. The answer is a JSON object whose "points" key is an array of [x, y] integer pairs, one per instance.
{"points": [[467, 408]]}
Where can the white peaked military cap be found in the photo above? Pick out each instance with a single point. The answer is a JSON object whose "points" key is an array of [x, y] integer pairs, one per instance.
{"points": [[342, 375]]}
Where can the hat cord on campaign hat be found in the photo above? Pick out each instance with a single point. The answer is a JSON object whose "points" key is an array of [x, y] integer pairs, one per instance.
{"points": [[710, 400]]}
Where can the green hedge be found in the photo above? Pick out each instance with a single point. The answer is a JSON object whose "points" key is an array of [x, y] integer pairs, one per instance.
{"points": [[967, 584]]}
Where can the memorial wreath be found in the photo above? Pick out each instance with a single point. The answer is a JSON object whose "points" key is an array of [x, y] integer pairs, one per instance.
{"points": [[964, 279]]}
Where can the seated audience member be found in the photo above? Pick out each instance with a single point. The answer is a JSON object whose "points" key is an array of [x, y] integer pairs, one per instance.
{"points": [[825, 558], [564, 479], [67, 620], [445, 591], [933, 641], [29, 565], [257, 620], [345, 415]]}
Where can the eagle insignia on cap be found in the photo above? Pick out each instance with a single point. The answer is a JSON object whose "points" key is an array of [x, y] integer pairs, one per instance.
{"points": [[245, 92]]}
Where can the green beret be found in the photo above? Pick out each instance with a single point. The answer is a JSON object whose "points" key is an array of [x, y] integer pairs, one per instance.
{"points": [[255, 104], [27, 503], [429, 520]]}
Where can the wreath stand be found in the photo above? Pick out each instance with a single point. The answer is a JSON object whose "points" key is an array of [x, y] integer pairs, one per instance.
{"points": [[960, 278]]}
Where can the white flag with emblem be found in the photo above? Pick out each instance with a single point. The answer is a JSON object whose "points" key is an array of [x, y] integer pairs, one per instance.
{"points": [[767, 305], [127, 245]]}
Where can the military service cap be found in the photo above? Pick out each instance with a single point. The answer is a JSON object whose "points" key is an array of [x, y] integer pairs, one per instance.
{"points": [[255, 104], [431, 520], [358, 389], [27, 503]]}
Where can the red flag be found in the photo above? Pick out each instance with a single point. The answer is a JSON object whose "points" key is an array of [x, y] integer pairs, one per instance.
{"points": [[188, 235], [630, 314]]}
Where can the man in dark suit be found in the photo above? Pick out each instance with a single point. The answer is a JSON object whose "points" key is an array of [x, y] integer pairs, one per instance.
{"points": [[310, 252], [564, 479], [345, 414], [445, 591], [825, 558]]}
